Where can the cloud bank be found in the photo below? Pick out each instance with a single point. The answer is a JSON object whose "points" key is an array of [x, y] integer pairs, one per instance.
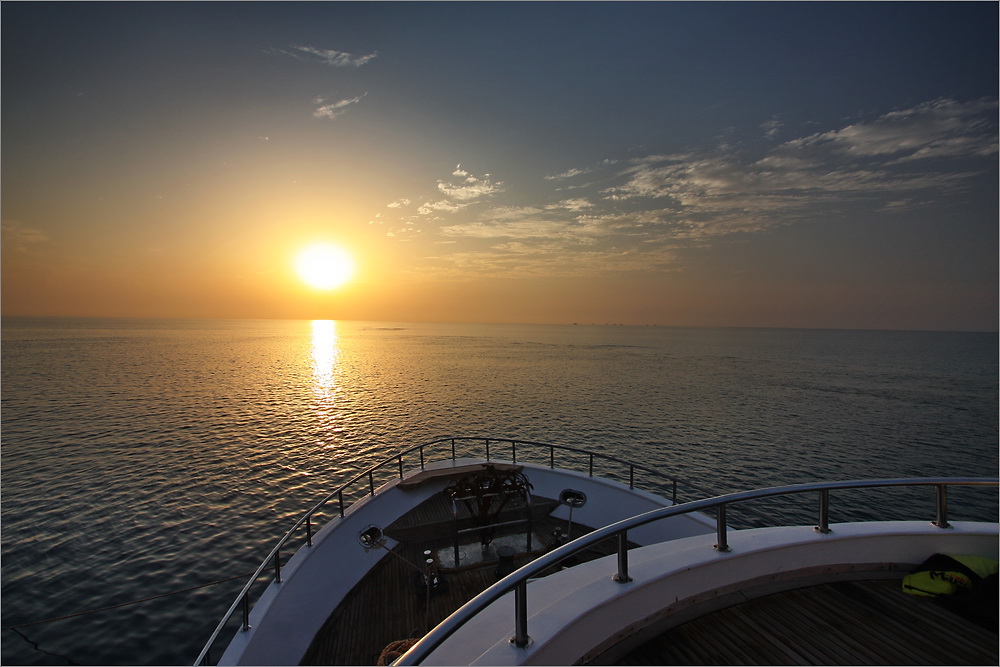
{"points": [[648, 207]]}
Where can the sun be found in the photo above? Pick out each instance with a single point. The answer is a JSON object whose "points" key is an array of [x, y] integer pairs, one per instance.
{"points": [[324, 266]]}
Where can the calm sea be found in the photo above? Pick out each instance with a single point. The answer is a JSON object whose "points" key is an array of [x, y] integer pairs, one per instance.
{"points": [[142, 457]]}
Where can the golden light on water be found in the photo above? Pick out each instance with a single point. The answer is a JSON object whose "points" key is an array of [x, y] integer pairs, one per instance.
{"points": [[324, 355], [324, 266]]}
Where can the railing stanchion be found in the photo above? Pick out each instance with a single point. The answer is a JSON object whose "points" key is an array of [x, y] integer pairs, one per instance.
{"points": [[453, 449], [720, 528], [521, 615], [309, 530], [513, 451], [673, 495], [942, 506], [552, 457], [421, 457], [622, 576], [591, 465], [487, 449], [246, 613], [371, 483], [824, 512], [340, 500], [400, 459], [277, 565], [631, 476]]}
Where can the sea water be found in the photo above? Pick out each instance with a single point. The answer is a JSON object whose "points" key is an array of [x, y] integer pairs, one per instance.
{"points": [[143, 457]]}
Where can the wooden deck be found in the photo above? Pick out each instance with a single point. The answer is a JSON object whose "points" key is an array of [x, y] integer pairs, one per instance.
{"points": [[844, 623], [369, 619]]}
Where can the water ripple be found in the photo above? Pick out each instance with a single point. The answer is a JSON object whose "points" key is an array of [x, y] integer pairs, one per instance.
{"points": [[141, 457]]}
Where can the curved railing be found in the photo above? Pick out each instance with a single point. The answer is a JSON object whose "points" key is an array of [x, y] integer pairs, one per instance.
{"points": [[499, 445], [518, 580]]}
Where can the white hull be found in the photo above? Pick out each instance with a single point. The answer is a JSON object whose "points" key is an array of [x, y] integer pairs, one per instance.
{"points": [[580, 613], [288, 615], [673, 564]]}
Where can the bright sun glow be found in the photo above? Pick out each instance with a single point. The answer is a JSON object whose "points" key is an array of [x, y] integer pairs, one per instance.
{"points": [[324, 266]]}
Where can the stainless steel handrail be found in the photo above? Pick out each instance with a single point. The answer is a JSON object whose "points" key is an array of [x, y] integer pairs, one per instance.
{"points": [[273, 559], [517, 581]]}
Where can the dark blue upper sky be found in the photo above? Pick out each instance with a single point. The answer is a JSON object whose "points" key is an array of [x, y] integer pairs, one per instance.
{"points": [[789, 164]]}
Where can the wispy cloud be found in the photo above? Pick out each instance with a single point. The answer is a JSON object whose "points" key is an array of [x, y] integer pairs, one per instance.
{"points": [[858, 161], [940, 128], [569, 173], [639, 212], [772, 128], [22, 237], [461, 190], [334, 109], [467, 187], [330, 57]]}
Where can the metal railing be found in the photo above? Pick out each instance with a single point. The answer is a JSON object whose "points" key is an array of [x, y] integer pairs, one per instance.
{"points": [[506, 445], [518, 580]]}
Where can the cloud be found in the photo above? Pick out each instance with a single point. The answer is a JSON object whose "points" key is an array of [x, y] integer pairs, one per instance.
{"points": [[21, 237], [335, 109], [468, 187], [570, 173], [853, 162], [639, 212], [329, 57], [940, 128], [571, 205], [771, 128], [441, 205]]}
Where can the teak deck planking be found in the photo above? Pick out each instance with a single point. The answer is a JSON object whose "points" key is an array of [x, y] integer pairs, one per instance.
{"points": [[844, 623], [369, 620]]}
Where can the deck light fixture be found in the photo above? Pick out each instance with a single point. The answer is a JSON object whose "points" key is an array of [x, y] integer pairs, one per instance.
{"points": [[572, 499], [371, 537]]}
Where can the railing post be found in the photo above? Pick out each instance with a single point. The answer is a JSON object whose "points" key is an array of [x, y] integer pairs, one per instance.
{"points": [[340, 499], [246, 613], [521, 615], [824, 512], [631, 476], [421, 457], [942, 506], [513, 451], [720, 528], [487, 449], [673, 497], [371, 483], [277, 565], [622, 576], [454, 513], [400, 459], [453, 449], [552, 457], [591, 465], [309, 530]]}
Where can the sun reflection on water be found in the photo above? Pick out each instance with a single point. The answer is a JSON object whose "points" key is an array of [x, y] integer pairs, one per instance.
{"points": [[324, 355], [325, 384]]}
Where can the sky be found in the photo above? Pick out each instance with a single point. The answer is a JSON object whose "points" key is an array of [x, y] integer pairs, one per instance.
{"points": [[818, 165]]}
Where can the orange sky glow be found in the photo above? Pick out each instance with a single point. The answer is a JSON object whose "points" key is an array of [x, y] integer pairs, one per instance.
{"points": [[476, 178]]}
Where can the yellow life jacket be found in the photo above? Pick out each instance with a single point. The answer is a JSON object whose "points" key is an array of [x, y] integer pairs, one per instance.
{"points": [[948, 574]]}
